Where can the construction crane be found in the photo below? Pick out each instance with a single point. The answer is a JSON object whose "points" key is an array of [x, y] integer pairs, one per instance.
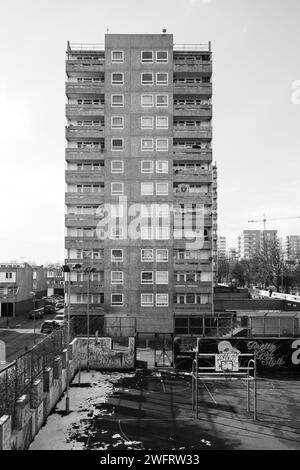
{"points": [[264, 220]]}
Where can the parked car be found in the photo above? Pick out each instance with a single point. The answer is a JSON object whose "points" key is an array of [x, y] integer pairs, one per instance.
{"points": [[59, 305], [60, 318], [38, 313], [49, 325], [49, 301], [49, 309]]}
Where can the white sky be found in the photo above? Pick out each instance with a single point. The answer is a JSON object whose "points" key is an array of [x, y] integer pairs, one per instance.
{"points": [[256, 46]]}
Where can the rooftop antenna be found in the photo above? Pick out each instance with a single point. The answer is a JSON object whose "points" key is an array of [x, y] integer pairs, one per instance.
{"points": [[164, 31], [107, 30]]}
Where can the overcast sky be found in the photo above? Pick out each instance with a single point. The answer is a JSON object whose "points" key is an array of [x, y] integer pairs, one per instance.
{"points": [[256, 50]]}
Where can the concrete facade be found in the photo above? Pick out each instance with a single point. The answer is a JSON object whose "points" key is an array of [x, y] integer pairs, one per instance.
{"points": [[16, 283], [136, 91], [251, 242]]}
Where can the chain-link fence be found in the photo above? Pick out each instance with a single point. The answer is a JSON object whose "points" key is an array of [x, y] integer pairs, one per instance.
{"points": [[17, 378]]}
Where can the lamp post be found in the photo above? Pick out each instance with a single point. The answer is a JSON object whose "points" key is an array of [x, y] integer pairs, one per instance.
{"points": [[66, 269], [33, 311], [88, 270]]}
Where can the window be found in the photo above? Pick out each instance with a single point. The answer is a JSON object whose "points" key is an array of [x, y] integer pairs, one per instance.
{"points": [[147, 122], [117, 56], [162, 166], [117, 300], [117, 166], [161, 255], [116, 277], [162, 122], [117, 122], [146, 254], [117, 78], [162, 145], [117, 144], [117, 233], [161, 100], [161, 56], [146, 166], [117, 189], [146, 300], [146, 189], [146, 277], [117, 255], [117, 100], [161, 78], [8, 275], [147, 78], [162, 277], [162, 300], [147, 100], [147, 144], [147, 56]]}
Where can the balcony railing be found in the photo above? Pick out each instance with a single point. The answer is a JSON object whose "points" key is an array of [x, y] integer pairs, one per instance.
{"points": [[204, 47]]}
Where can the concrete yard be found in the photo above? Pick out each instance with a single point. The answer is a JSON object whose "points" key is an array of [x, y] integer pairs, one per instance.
{"points": [[116, 411]]}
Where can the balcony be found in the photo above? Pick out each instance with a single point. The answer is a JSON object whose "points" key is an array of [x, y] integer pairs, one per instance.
{"points": [[98, 264], [196, 111], [74, 90], [190, 132], [89, 132], [192, 176], [192, 154], [190, 287], [199, 197], [186, 264], [83, 242], [81, 155], [92, 65], [84, 198], [180, 243], [80, 309], [200, 89], [89, 111], [95, 176], [192, 65], [80, 220]]}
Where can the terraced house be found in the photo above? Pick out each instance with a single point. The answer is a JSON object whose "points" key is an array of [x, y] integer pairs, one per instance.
{"points": [[139, 131]]}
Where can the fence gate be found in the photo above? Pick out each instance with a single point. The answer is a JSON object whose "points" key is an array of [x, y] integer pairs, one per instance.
{"points": [[163, 349]]}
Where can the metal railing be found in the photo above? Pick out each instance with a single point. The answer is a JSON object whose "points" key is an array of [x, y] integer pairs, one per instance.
{"points": [[73, 46], [204, 47]]}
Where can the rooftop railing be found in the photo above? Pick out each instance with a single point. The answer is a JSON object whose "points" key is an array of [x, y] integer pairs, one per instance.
{"points": [[204, 47]]}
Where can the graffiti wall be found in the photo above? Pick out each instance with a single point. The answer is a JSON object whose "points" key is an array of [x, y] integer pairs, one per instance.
{"points": [[282, 354]]}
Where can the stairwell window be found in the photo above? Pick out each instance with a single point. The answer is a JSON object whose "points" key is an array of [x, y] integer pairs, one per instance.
{"points": [[162, 255], [117, 166], [162, 56], [146, 166], [146, 189], [117, 122], [147, 144], [147, 277], [117, 57], [162, 189], [117, 101], [162, 145], [147, 122], [147, 300], [117, 255], [162, 277], [117, 78], [117, 144], [147, 56], [117, 189], [147, 254], [161, 101], [162, 122], [161, 78], [162, 166], [116, 277], [147, 78], [162, 300], [117, 300], [147, 101]]}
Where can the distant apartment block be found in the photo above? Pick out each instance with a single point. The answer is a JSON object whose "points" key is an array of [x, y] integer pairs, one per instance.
{"points": [[54, 280], [16, 285], [292, 248], [139, 127], [233, 255], [222, 250], [251, 242]]}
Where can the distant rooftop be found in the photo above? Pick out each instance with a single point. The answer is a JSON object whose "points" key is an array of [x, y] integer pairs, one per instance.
{"points": [[99, 47]]}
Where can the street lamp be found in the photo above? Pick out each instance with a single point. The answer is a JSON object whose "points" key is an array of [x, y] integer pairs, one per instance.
{"points": [[33, 306], [88, 270]]}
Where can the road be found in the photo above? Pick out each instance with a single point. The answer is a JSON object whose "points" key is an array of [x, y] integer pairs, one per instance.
{"points": [[21, 336]]}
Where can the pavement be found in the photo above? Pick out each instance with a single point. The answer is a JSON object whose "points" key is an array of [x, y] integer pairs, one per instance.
{"points": [[154, 411]]}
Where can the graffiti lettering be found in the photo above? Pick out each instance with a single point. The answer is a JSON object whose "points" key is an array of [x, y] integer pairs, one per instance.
{"points": [[266, 354], [296, 354]]}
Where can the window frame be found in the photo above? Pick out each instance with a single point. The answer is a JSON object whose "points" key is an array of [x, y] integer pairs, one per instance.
{"points": [[162, 127], [159, 60], [143, 95], [160, 82], [147, 82], [114, 192], [114, 171], [119, 149], [116, 127], [164, 260], [149, 183], [161, 149], [116, 83], [147, 304], [162, 105], [149, 283], [147, 117], [148, 149], [117, 282], [117, 105], [113, 237], [144, 260], [147, 61], [161, 172], [161, 294], [114, 61], [118, 304], [157, 274], [152, 166]]}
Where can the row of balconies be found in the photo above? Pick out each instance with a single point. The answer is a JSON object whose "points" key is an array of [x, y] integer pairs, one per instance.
{"points": [[179, 65], [90, 111], [92, 89]]}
